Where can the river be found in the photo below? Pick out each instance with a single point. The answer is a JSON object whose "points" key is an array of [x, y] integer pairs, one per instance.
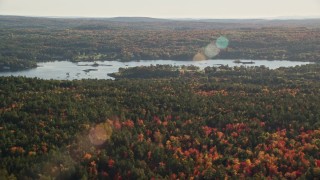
{"points": [[65, 70]]}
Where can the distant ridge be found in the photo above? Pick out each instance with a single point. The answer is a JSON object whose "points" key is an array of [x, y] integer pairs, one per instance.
{"points": [[154, 19], [137, 19], [153, 23]]}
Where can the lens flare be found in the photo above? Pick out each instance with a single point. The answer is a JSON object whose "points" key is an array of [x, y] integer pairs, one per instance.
{"points": [[199, 57], [100, 133], [211, 50], [222, 42]]}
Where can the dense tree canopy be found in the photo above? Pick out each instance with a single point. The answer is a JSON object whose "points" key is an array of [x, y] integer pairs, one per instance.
{"points": [[221, 122]]}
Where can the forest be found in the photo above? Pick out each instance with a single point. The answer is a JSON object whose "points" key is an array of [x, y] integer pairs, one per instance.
{"points": [[27, 40], [176, 123]]}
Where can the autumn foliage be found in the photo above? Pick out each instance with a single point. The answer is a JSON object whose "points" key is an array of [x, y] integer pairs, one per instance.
{"points": [[225, 122]]}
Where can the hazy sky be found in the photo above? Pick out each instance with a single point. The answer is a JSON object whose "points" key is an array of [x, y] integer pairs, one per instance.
{"points": [[162, 8]]}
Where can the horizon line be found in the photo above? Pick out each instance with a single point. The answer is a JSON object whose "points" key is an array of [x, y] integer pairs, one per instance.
{"points": [[173, 18]]}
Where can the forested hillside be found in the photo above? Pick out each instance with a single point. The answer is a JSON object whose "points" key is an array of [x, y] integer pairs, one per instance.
{"points": [[223, 122], [26, 40]]}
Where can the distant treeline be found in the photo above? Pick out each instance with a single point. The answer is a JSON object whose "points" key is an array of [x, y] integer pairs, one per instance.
{"points": [[125, 39]]}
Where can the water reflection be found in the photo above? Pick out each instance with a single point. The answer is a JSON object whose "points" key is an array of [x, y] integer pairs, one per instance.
{"points": [[65, 70]]}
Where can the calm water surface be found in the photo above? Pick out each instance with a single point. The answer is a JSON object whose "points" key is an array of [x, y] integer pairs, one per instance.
{"points": [[63, 70]]}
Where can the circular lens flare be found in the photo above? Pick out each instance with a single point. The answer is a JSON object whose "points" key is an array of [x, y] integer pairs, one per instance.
{"points": [[199, 57], [100, 133], [211, 50], [222, 42]]}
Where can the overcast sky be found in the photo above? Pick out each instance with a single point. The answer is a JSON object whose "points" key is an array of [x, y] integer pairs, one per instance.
{"points": [[163, 8]]}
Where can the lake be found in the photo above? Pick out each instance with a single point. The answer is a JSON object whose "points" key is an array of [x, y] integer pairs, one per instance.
{"points": [[65, 70]]}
